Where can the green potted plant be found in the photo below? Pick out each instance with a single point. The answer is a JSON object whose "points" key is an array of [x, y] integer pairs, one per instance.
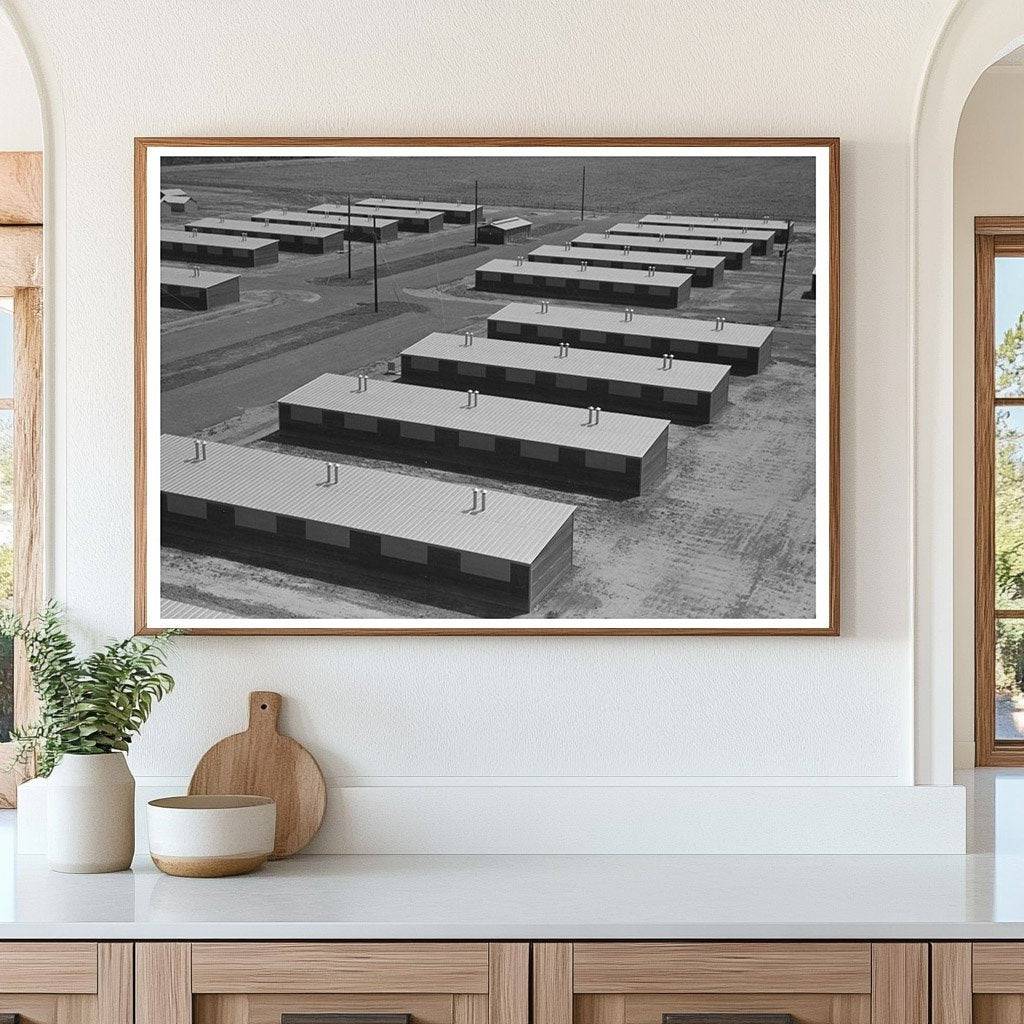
{"points": [[89, 710]]}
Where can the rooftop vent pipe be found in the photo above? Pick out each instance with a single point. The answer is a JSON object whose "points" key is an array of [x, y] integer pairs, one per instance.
{"points": [[476, 498], [597, 415], [545, 305], [468, 339], [483, 500]]}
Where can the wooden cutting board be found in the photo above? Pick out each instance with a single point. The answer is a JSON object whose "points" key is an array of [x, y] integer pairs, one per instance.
{"points": [[262, 762]]}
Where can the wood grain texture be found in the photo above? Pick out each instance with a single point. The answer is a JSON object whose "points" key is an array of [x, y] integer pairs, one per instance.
{"points": [[226, 1009], [32, 1009], [998, 1009], [851, 1009], [115, 988], [269, 1008], [509, 983], [163, 983], [64, 967], [262, 762], [21, 188], [754, 967], [21, 258], [599, 1009], [467, 1008], [899, 987], [951, 983], [339, 967], [76, 1009], [816, 1008], [831, 144], [552, 983], [998, 967]]}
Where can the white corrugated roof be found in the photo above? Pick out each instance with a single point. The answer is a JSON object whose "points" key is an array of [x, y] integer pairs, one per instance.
{"points": [[580, 362], [640, 259], [185, 276], [173, 192], [392, 504], [493, 415], [237, 227], [419, 204], [754, 223], [711, 231], [328, 220], [508, 223], [645, 325], [537, 269], [208, 238], [647, 234], [377, 211]]}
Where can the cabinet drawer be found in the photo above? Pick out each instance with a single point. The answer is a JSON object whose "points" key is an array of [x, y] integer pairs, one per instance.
{"points": [[635, 967], [69, 967], [340, 967]]}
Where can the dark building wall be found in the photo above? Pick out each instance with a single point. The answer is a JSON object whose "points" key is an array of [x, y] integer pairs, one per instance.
{"points": [[286, 546], [751, 360], [573, 469], [649, 400], [200, 252], [496, 236], [625, 294], [199, 298]]}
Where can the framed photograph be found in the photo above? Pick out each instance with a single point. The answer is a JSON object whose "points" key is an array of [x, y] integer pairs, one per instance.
{"points": [[487, 386]]}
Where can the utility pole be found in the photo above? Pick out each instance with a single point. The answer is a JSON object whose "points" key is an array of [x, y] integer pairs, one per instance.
{"points": [[349, 232], [785, 259], [583, 192], [376, 307], [476, 212]]}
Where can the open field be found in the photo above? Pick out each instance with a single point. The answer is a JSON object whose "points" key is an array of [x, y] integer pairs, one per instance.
{"points": [[728, 532]]}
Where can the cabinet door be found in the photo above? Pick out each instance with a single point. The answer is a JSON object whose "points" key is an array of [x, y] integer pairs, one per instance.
{"points": [[370, 982], [66, 982], [980, 982], [737, 982]]}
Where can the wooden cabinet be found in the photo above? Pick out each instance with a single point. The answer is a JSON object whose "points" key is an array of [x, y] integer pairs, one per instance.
{"points": [[66, 982], [815, 982], [979, 982], [258, 982]]}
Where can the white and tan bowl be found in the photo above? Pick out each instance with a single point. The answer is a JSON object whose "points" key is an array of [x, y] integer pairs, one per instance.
{"points": [[211, 836]]}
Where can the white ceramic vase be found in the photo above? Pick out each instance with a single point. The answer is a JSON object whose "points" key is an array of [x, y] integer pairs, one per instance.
{"points": [[90, 814]]}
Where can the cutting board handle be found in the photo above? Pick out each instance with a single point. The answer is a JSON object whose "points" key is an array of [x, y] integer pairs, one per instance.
{"points": [[264, 710]]}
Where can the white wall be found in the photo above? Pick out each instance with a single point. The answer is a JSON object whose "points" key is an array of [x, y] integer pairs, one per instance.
{"points": [[988, 180], [442, 713], [21, 124]]}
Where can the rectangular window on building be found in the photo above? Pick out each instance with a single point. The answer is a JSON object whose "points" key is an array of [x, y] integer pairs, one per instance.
{"points": [[471, 370], [516, 376], [328, 533], [354, 421], [183, 505], [482, 442], [625, 388], [256, 519], [680, 396], [544, 331], [570, 383], [418, 431], [406, 550], [424, 363], [608, 461], [539, 450], [486, 566], [303, 414], [507, 327]]}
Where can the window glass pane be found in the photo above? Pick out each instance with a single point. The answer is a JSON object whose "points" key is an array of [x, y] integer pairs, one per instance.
{"points": [[6, 349], [1009, 679], [1009, 326], [6, 563], [1009, 524]]}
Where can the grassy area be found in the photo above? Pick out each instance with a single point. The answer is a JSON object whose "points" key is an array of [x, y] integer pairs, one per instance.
{"points": [[781, 187]]}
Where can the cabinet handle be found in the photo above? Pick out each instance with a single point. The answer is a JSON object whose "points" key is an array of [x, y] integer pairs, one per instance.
{"points": [[728, 1018], [337, 1018]]}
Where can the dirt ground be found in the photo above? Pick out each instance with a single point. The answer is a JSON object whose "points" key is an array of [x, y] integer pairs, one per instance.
{"points": [[729, 532]]}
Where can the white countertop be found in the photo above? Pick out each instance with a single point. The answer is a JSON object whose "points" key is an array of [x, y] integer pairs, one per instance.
{"points": [[532, 897], [977, 896]]}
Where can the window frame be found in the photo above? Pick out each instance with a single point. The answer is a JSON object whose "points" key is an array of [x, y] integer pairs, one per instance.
{"points": [[993, 237], [21, 261]]}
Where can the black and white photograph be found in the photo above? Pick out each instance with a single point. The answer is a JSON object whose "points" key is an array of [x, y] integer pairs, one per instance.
{"points": [[466, 387]]}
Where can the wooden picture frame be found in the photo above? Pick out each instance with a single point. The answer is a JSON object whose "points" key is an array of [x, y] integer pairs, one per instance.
{"points": [[825, 620]]}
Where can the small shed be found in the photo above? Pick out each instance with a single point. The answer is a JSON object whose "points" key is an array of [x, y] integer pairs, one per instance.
{"points": [[192, 288], [501, 232]]}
